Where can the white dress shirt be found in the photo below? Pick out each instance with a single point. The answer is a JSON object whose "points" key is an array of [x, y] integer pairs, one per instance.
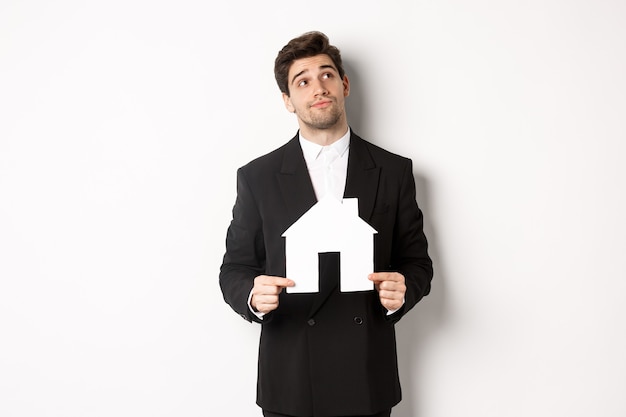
{"points": [[327, 165]]}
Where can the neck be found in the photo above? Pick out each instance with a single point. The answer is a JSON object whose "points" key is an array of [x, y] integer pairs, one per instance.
{"points": [[324, 137]]}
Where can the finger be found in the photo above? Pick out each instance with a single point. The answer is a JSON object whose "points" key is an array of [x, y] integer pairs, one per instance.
{"points": [[391, 295], [268, 300], [385, 276], [266, 308], [264, 303], [391, 305], [269, 290], [286, 282], [273, 280], [376, 277], [392, 286]]}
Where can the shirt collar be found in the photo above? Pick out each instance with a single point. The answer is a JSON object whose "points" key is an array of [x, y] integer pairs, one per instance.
{"points": [[312, 150]]}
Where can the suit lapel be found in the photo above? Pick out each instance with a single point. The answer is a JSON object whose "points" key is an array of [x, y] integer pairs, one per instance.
{"points": [[295, 182], [362, 178]]}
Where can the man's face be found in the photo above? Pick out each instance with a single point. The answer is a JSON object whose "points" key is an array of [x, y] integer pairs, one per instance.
{"points": [[317, 93]]}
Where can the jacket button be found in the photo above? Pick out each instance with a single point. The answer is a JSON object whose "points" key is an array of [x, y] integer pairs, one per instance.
{"points": [[358, 320], [311, 322]]}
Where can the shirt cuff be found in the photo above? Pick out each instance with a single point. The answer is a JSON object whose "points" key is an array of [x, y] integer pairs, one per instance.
{"points": [[256, 313]]}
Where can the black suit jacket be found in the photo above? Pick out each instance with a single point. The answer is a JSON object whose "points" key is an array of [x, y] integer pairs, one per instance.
{"points": [[328, 353]]}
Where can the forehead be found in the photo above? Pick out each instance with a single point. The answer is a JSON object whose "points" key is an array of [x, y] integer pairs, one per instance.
{"points": [[310, 64]]}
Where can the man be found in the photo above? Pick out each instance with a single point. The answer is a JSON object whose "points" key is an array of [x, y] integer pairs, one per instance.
{"points": [[329, 353]]}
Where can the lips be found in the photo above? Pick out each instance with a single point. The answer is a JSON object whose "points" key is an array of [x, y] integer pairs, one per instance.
{"points": [[321, 104]]}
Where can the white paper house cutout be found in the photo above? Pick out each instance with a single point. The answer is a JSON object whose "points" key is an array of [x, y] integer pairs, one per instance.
{"points": [[330, 226]]}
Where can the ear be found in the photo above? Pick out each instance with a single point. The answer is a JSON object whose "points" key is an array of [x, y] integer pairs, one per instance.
{"points": [[346, 86], [288, 104]]}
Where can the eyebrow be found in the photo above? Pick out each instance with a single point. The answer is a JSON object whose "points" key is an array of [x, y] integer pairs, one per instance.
{"points": [[306, 70]]}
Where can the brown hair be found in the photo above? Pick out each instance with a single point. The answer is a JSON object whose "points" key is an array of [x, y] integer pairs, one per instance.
{"points": [[304, 46]]}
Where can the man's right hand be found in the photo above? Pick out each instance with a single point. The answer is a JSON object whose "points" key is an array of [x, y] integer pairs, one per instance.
{"points": [[265, 292]]}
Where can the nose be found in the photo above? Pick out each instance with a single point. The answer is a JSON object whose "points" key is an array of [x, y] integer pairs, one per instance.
{"points": [[320, 89]]}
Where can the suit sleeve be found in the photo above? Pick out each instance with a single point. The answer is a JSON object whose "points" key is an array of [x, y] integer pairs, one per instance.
{"points": [[245, 251], [410, 247]]}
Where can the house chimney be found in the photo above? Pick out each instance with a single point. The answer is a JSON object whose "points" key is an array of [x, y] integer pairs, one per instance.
{"points": [[351, 206]]}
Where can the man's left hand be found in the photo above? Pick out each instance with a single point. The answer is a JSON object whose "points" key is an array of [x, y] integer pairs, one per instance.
{"points": [[391, 288]]}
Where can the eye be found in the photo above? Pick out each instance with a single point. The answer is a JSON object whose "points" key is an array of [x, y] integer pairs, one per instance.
{"points": [[327, 75], [302, 83]]}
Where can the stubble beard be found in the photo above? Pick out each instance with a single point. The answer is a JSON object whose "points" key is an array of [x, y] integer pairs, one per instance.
{"points": [[323, 120]]}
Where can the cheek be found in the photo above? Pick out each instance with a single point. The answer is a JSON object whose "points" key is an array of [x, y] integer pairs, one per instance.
{"points": [[295, 103]]}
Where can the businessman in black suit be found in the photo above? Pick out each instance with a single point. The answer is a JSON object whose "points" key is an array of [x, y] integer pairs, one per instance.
{"points": [[330, 353]]}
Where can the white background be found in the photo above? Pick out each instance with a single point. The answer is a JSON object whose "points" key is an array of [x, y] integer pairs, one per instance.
{"points": [[122, 124]]}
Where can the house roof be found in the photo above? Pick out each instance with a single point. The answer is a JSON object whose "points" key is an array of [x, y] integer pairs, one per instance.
{"points": [[330, 216]]}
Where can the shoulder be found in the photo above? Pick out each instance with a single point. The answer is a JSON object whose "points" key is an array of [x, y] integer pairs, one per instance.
{"points": [[272, 160], [379, 156]]}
